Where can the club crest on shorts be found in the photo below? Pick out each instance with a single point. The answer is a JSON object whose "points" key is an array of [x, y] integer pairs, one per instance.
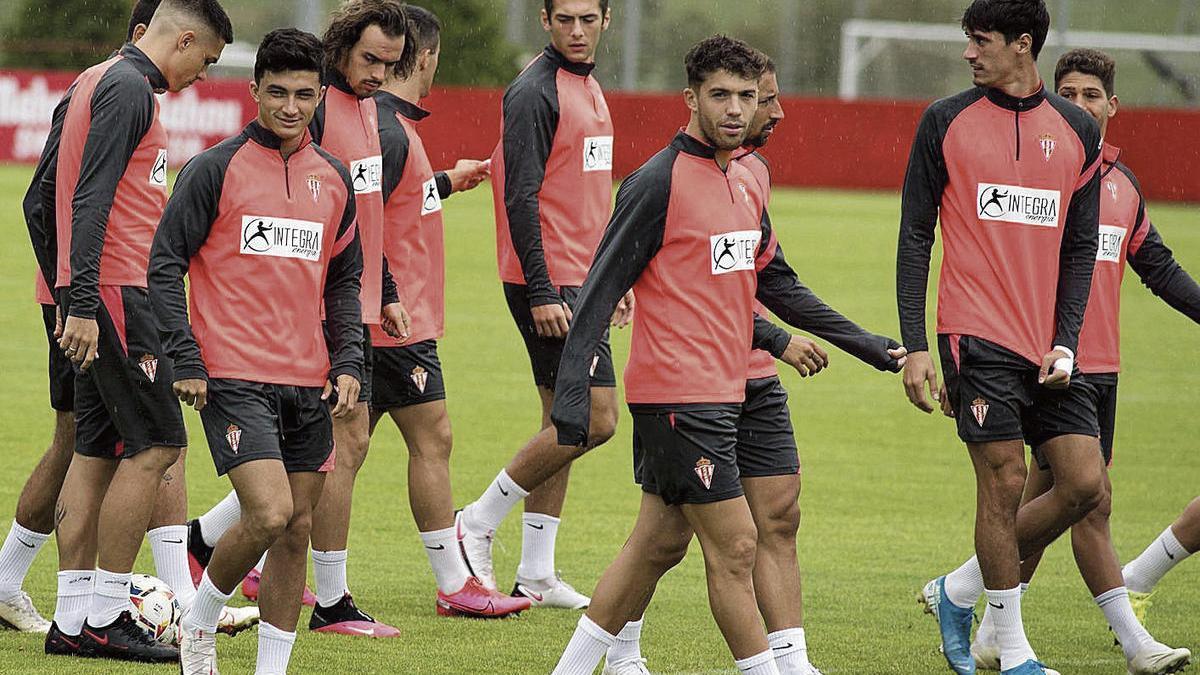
{"points": [[1048, 144], [314, 186], [704, 469], [979, 408], [149, 365], [233, 435], [419, 377]]}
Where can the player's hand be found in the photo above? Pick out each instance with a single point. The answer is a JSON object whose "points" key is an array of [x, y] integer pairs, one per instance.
{"points": [[623, 316], [80, 340], [347, 388], [896, 353], [467, 174], [553, 320], [394, 321], [919, 371], [193, 392], [805, 356], [944, 398], [58, 322], [1055, 372]]}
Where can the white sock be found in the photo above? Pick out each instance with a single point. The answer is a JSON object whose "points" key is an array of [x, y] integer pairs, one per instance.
{"points": [[449, 568], [1118, 611], [496, 501], [258, 566], [987, 626], [110, 597], [965, 584], [169, 547], [628, 645], [759, 664], [220, 518], [1144, 572], [74, 598], [17, 554], [329, 569], [1010, 632], [206, 608], [790, 651], [538, 533], [274, 650], [586, 648]]}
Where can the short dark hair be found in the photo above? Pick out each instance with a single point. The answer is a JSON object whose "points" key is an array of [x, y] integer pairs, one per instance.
{"points": [[721, 52], [143, 11], [285, 49], [424, 32], [550, 7], [352, 17], [1012, 18], [1088, 62], [208, 11]]}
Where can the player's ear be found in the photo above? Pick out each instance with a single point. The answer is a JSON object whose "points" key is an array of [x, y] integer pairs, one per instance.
{"points": [[254, 90], [545, 21], [1113, 104], [186, 39], [139, 31], [607, 19], [690, 98], [1025, 44]]}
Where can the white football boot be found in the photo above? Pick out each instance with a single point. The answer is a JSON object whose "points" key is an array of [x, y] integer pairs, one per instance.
{"points": [[19, 613], [553, 592]]}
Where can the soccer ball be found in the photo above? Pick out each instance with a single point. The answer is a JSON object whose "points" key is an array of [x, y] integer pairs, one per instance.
{"points": [[156, 609]]}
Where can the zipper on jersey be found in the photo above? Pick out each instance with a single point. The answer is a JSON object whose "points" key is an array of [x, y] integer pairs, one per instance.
{"points": [[1017, 115], [287, 180]]}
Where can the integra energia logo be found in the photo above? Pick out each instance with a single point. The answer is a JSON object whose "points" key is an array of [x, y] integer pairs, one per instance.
{"points": [[281, 237], [1016, 204]]}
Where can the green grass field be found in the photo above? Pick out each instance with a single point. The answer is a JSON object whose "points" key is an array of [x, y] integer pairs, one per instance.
{"points": [[888, 498]]}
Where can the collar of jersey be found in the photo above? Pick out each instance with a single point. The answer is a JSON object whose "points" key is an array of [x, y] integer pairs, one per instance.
{"points": [[266, 138], [144, 66], [410, 111], [1111, 156], [334, 78], [689, 144], [556, 57], [1018, 104]]}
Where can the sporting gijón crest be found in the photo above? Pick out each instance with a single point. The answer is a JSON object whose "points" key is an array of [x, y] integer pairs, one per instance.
{"points": [[704, 469], [419, 377], [314, 186], [1048, 144], [233, 435], [149, 365], [979, 408]]}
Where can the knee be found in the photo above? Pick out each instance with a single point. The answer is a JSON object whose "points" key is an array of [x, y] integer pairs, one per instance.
{"points": [[157, 460], [780, 528], [299, 528], [1084, 495], [1006, 479], [436, 446], [267, 523], [667, 553], [738, 555]]}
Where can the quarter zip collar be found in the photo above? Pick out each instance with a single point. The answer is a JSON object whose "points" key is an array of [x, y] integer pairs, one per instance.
{"points": [[689, 144], [409, 110], [556, 57], [144, 66], [267, 139], [333, 77], [1015, 104], [1111, 155]]}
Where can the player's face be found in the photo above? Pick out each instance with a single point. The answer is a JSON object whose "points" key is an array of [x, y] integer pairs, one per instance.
{"points": [[769, 112], [287, 101], [575, 27], [993, 60], [1087, 92], [369, 60], [724, 106], [194, 53]]}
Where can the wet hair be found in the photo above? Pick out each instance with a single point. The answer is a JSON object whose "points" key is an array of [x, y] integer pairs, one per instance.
{"points": [[143, 11], [1012, 18], [208, 11], [354, 16], [424, 32], [550, 7], [721, 52], [1088, 62], [285, 49]]}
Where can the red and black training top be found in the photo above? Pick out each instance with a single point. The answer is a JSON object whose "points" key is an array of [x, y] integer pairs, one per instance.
{"points": [[104, 181], [413, 239], [1016, 184], [1126, 234], [551, 176], [264, 241]]}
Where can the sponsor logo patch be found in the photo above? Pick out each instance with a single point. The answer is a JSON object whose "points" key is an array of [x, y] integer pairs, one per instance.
{"points": [[281, 237], [1021, 205], [704, 470], [233, 435], [1048, 144], [314, 186], [979, 408], [366, 175], [431, 201], [1112, 240], [149, 365], [158, 172], [734, 251], [598, 153], [420, 377]]}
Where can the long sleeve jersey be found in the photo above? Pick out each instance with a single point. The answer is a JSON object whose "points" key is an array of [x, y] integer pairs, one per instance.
{"points": [[43, 234], [346, 126], [413, 240], [264, 241], [551, 176], [1016, 184], [1126, 235], [106, 182], [805, 310]]}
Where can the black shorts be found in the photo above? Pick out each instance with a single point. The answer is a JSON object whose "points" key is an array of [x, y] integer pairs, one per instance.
{"points": [[62, 376], [245, 421], [407, 375], [1103, 390], [687, 454], [545, 352], [124, 402], [996, 396], [766, 442], [364, 392]]}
